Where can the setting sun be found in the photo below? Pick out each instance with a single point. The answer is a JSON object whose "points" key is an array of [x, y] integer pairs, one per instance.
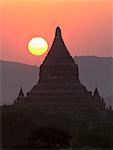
{"points": [[37, 46]]}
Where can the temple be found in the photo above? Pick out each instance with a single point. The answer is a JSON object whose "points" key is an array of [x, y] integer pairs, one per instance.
{"points": [[60, 102], [59, 85]]}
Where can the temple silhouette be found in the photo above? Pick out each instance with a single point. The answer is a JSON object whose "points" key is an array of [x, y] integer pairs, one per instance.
{"points": [[59, 87], [58, 112]]}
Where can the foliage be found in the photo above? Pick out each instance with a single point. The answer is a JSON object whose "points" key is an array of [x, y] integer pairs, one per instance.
{"points": [[100, 136], [47, 137]]}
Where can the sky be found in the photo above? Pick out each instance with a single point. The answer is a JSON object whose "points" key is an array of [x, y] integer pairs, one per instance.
{"points": [[86, 27]]}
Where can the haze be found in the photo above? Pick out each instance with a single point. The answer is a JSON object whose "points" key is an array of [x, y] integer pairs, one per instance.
{"points": [[86, 27]]}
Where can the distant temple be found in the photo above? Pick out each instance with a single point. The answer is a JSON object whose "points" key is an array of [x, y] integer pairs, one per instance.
{"points": [[59, 86]]}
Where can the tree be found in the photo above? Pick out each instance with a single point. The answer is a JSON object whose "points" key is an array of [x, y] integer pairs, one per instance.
{"points": [[47, 137]]}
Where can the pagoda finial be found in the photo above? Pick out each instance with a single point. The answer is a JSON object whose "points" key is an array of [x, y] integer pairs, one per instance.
{"points": [[21, 93], [58, 31], [96, 93], [21, 96]]}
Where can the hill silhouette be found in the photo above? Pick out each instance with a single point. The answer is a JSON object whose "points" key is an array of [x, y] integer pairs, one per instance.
{"points": [[94, 71]]}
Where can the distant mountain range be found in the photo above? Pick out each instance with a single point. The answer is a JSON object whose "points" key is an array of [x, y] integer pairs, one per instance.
{"points": [[93, 71]]}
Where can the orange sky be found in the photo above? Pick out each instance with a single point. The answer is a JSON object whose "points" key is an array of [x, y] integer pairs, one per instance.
{"points": [[86, 26]]}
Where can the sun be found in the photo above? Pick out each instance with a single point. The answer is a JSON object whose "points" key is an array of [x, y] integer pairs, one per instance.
{"points": [[37, 46]]}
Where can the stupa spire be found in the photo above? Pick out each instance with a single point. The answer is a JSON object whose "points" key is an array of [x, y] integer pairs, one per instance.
{"points": [[96, 93], [58, 51], [58, 42], [58, 31], [21, 96], [58, 58], [21, 93]]}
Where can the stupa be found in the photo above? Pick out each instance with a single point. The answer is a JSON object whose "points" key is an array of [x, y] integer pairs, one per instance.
{"points": [[58, 101], [59, 86]]}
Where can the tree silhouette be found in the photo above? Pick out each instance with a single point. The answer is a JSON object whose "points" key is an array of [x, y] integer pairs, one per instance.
{"points": [[47, 137]]}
